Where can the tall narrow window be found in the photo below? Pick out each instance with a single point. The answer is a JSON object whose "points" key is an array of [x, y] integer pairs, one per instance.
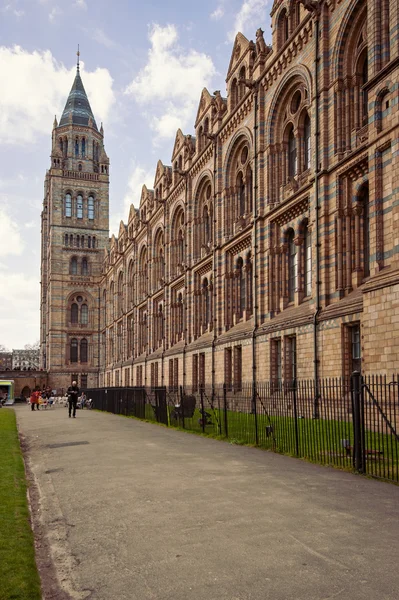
{"points": [[74, 313], [85, 267], [83, 147], [76, 148], [71, 240], [241, 287], [74, 351], [79, 207], [83, 351], [73, 268], [237, 368], [307, 143], [206, 225], [308, 263], [292, 154], [68, 205], [66, 239], [205, 291], [241, 195], [365, 109], [228, 368], [292, 267], [366, 230], [290, 366], [90, 208], [84, 314], [195, 372]]}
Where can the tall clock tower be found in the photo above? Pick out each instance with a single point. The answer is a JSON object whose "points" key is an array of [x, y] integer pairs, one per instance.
{"points": [[75, 231]]}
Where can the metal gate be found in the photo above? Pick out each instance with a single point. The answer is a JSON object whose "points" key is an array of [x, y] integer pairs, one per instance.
{"points": [[375, 410]]}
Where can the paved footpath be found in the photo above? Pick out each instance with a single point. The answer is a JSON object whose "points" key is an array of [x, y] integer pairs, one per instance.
{"points": [[142, 512]]}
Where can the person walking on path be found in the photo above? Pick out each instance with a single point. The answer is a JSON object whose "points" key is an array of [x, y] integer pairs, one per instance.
{"points": [[34, 399], [73, 394]]}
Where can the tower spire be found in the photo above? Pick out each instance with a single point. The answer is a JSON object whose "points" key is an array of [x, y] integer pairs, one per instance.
{"points": [[78, 55]]}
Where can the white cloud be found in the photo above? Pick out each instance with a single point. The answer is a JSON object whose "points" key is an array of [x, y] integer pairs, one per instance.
{"points": [[170, 84], [80, 4], [251, 14], [101, 37], [11, 7], [27, 108], [54, 13], [217, 14], [19, 308], [11, 240]]}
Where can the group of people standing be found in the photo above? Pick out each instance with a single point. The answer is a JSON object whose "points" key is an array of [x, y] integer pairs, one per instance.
{"points": [[39, 397]]}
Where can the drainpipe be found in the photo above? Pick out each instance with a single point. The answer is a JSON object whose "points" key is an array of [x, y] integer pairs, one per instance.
{"points": [[213, 138], [254, 85], [316, 412], [255, 239], [184, 174], [99, 335]]}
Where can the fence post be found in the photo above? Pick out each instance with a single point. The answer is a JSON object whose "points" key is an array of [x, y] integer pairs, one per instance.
{"points": [[295, 417], [182, 406], [202, 409], [356, 393], [226, 428], [255, 413]]}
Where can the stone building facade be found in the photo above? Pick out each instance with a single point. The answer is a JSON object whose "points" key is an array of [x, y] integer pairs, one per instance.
{"points": [[269, 248], [75, 232]]}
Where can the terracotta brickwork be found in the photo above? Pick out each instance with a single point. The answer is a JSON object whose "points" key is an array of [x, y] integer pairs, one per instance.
{"points": [[269, 248], [75, 232]]}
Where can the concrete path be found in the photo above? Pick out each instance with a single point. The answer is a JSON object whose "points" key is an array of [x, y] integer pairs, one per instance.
{"points": [[135, 511]]}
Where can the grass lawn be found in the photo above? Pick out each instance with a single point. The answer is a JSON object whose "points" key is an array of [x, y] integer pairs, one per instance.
{"points": [[316, 440], [19, 579]]}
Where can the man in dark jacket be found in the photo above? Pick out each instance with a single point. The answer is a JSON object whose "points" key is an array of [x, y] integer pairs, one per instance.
{"points": [[73, 394]]}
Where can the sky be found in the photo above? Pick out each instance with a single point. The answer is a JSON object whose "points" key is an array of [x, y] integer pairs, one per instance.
{"points": [[143, 65]]}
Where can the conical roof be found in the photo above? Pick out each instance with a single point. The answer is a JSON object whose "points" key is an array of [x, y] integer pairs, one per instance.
{"points": [[77, 105]]}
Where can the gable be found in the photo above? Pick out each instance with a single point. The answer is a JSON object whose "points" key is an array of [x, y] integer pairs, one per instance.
{"points": [[241, 45], [204, 104], [159, 172], [179, 140]]}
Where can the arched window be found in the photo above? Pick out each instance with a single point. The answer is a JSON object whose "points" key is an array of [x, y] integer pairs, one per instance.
{"points": [[74, 313], [248, 273], [241, 287], [283, 29], [85, 267], [308, 262], [234, 94], [68, 205], [364, 200], [73, 267], [365, 78], [180, 247], [83, 147], [76, 147], [241, 194], [94, 241], [74, 351], [90, 208], [292, 154], [89, 241], [307, 150], [66, 239], [292, 267], [205, 292], [207, 228], [84, 314], [79, 166], [241, 84], [83, 351], [249, 185], [71, 240], [120, 294], [79, 207]]}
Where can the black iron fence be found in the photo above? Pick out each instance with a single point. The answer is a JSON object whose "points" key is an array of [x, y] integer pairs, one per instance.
{"points": [[350, 423]]}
